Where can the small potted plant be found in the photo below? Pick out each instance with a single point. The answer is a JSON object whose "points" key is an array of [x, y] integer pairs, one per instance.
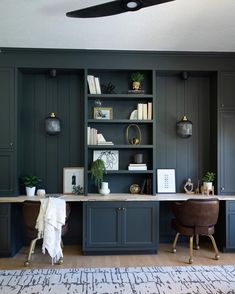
{"points": [[97, 174], [30, 183], [208, 178], [136, 79]]}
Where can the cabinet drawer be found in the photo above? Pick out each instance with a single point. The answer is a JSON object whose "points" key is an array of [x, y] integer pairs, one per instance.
{"points": [[231, 206], [4, 208]]}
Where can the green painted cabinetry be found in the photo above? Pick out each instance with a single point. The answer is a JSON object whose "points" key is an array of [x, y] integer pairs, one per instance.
{"points": [[119, 226], [7, 132]]}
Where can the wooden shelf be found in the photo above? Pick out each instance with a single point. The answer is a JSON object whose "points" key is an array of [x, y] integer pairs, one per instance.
{"points": [[120, 146], [149, 171], [120, 96], [119, 121]]}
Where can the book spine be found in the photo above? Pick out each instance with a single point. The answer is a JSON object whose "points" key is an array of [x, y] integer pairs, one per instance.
{"points": [[97, 85], [91, 84], [140, 111], [149, 110], [145, 111]]}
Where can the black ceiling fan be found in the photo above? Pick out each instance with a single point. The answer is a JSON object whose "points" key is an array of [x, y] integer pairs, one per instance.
{"points": [[114, 7]]}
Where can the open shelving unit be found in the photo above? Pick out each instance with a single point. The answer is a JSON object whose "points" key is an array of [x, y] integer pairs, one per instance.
{"points": [[122, 104]]}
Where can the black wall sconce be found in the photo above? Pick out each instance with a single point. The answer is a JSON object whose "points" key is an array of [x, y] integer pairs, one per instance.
{"points": [[52, 125], [184, 127]]}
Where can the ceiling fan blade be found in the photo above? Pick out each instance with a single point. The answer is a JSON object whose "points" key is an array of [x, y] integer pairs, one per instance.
{"points": [[106, 9], [147, 3]]}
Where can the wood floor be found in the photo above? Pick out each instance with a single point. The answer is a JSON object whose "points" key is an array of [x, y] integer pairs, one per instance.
{"points": [[73, 258]]}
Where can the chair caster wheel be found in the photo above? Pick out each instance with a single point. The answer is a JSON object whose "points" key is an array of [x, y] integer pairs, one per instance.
{"points": [[217, 257], [197, 247], [27, 263], [190, 260], [173, 250], [60, 261]]}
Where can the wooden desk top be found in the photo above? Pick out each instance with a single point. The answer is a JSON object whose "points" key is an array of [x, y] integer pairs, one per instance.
{"points": [[119, 197]]}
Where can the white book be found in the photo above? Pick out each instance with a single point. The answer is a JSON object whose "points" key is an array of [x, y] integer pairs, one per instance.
{"points": [[137, 164], [97, 85], [150, 110], [145, 111], [91, 84], [140, 111], [137, 167], [88, 135]]}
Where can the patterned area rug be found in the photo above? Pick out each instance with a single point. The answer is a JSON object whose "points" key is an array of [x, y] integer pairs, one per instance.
{"points": [[140, 280]]}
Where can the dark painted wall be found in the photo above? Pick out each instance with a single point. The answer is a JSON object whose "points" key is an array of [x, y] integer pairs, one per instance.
{"points": [[40, 153], [175, 97]]}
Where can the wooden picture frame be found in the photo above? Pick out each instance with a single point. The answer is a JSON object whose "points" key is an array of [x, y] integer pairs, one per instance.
{"points": [[72, 176], [103, 113]]}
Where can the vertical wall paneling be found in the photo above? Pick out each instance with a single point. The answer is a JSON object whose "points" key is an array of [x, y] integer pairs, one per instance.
{"points": [[176, 97], [46, 155]]}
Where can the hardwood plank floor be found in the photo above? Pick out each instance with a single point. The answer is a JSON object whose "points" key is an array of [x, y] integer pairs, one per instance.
{"points": [[73, 258]]}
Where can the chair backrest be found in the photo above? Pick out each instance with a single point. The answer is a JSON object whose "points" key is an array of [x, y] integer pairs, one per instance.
{"points": [[30, 214], [199, 212]]}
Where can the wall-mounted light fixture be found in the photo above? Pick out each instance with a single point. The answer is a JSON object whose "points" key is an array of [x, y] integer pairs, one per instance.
{"points": [[52, 125], [184, 127]]}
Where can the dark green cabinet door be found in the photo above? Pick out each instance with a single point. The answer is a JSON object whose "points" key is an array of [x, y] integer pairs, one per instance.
{"points": [[120, 226], [139, 227], [227, 153], [230, 225], [7, 173], [5, 229], [7, 109], [102, 224], [227, 90]]}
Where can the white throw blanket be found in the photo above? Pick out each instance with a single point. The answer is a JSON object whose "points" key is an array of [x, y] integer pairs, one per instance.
{"points": [[49, 223]]}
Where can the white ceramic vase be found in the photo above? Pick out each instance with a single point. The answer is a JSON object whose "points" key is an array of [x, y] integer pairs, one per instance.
{"points": [[104, 190], [207, 185], [30, 191]]}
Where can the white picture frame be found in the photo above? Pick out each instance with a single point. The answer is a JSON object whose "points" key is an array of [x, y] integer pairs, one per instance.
{"points": [[72, 176], [166, 181], [110, 158]]}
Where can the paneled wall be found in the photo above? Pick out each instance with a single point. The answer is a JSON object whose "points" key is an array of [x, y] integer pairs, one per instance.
{"points": [[175, 97], [41, 154]]}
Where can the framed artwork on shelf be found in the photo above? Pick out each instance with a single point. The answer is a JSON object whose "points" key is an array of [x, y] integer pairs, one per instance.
{"points": [[166, 181], [110, 158], [103, 113], [73, 179]]}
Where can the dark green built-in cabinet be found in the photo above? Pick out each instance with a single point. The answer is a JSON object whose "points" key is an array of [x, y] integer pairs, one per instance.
{"points": [[120, 226], [29, 93], [7, 132]]}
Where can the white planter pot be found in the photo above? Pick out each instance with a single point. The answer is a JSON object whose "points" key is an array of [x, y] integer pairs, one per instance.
{"points": [[207, 185], [30, 191], [104, 190]]}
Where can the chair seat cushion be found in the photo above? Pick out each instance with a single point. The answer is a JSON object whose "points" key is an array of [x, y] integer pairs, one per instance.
{"points": [[191, 231]]}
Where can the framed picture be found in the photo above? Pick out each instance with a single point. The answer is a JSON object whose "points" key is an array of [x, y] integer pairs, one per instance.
{"points": [[103, 113], [72, 177], [166, 181], [110, 158]]}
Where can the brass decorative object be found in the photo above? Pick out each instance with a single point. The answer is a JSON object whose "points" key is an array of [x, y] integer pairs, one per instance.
{"points": [[136, 140]]}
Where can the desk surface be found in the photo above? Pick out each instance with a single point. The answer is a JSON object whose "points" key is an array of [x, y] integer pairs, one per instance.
{"points": [[119, 197]]}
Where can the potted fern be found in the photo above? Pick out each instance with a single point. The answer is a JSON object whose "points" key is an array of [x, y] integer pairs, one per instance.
{"points": [[208, 179], [30, 183], [97, 174], [136, 79]]}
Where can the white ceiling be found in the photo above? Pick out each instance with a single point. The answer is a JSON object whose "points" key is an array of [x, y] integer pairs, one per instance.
{"points": [[181, 25]]}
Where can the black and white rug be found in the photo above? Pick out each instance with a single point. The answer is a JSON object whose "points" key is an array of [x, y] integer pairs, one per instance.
{"points": [[139, 280]]}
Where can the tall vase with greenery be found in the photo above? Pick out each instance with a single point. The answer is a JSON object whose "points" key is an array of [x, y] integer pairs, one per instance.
{"points": [[97, 172], [136, 78]]}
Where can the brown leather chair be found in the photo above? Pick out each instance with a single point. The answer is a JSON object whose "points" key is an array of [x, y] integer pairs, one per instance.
{"points": [[30, 213], [195, 217]]}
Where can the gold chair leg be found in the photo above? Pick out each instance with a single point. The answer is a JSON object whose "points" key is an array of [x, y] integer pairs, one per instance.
{"points": [[191, 249], [217, 256], [174, 243], [31, 251], [197, 247]]}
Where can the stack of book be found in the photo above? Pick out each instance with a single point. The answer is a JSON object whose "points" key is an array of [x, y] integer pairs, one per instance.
{"points": [[137, 166], [93, 84], [93, 138], [144, 111]]}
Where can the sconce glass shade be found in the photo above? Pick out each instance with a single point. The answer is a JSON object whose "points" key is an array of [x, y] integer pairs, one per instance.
{"points": [[52, 125], [184, 128]]}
